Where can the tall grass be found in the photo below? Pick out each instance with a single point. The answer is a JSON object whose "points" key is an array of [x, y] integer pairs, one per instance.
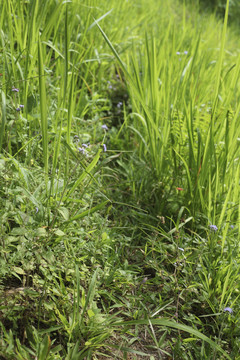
{"points": [[182, 98], [76, 267]]}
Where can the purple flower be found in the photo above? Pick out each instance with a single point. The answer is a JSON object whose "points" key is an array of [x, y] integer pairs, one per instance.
{"points": [[81, 150], [119, 105], [178, 53], [185, 52], [232, 226], [15, 89], [230, 310], [21, 106], [104, 127], [18, 109], [85, 145], [36, 210], [145, 279], [109, 85], [104, 147], [213, 227]]}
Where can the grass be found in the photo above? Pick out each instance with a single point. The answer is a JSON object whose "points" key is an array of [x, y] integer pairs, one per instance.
{"points": [[119, 181]]}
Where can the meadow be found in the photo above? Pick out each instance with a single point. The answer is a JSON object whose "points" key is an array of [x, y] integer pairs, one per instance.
{"points": [[119, 181]]}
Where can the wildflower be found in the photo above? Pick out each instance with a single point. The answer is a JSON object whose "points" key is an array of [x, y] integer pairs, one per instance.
{"points": [[185, 52], [230, 310], [180, 189], [104, 147], [110, 85], [85, 145], [36, 210], [15, 89], [21, 106], [145, 279], [81, 150], [119, 105], [18, 109], [181, 249], [178, 53], [104, 127], [232, 226], [213, 227], [178, 264]]}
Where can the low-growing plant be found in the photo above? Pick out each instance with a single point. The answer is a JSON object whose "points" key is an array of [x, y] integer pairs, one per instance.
{"points": [[119, 181]]}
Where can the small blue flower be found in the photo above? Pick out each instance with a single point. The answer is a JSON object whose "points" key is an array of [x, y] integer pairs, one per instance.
{"points": [[104, 127], [85, 145], [36, 210], [145, 279], [15, 89], [178, 53], [21, 106], [185, 52], [230, 310], [110, 85], [18, 109], [232, 226], [81, 150], [213, 227], [104, 147], [119, 105]]}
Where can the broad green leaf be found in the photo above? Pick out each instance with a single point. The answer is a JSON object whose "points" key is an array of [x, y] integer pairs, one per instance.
{"points": [[44, 348]]}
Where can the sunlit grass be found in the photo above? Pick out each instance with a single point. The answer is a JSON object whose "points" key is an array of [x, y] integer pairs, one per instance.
{"points": [[119, 181]]}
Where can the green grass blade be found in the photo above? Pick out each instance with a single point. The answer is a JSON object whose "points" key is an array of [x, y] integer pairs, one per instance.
{"points": [[220, 60], [2, 131], [86, 172], [177, 326], [43, 109], [90, 211], [90, 296]]}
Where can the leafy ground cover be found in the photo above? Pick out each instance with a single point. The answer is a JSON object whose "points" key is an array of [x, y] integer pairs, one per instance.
{"points": [[119, 181]]}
